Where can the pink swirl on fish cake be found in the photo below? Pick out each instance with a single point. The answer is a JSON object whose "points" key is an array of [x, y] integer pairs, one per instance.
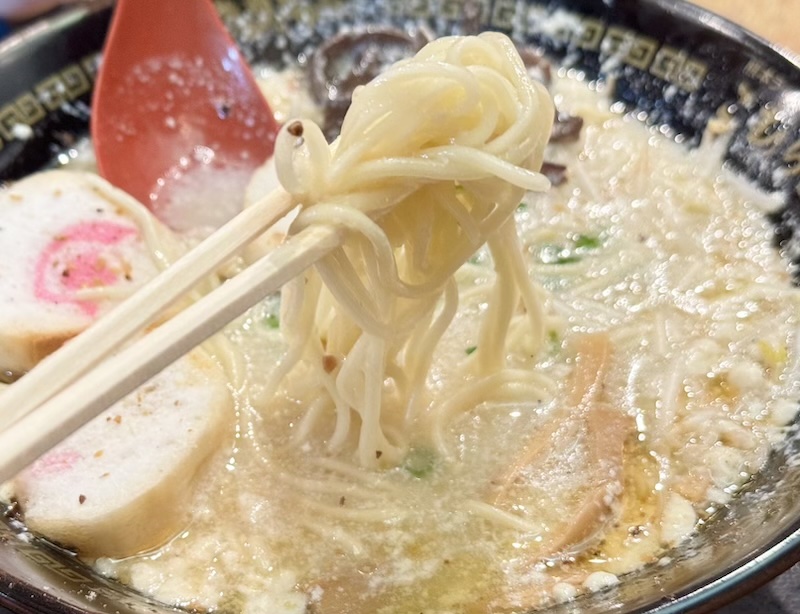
{"points": [[83, 256], [56, 461]]}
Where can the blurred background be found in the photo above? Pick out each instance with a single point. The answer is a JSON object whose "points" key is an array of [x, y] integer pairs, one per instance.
{"points": [[775, 20]]}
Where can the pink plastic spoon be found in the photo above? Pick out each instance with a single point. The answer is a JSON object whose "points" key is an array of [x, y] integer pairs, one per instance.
{"points": [[178, 120]]}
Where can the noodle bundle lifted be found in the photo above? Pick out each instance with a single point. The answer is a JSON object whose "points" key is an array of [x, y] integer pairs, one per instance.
{"points": [[418, 182]]}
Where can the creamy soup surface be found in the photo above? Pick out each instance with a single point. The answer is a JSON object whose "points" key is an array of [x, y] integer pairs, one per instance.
{"points": [[668, 375], [499, 505]]}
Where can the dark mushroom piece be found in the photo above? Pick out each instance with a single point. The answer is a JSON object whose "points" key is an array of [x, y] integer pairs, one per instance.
{"points": [[556, 173], [566, 128], [538, 66], [351, 59], [471, 21]]}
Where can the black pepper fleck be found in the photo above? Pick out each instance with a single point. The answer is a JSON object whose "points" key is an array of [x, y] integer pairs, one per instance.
{"points": [[14, 511]]}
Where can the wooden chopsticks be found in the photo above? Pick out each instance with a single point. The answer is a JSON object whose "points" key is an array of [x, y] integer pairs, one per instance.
{"points": [[80, 380]]}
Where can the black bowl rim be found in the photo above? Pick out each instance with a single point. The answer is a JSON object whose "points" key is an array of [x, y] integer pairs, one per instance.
{"points": [[725, 27]]}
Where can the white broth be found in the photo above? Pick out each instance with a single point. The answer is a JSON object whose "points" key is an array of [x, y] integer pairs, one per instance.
{"points": [[671, 262]]}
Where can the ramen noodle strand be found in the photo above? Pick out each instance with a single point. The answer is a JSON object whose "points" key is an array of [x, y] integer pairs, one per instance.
{"points": [[418, 184]]}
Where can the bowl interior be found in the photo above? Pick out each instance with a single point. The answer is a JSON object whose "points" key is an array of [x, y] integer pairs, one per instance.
{"points": [[675, 64]]}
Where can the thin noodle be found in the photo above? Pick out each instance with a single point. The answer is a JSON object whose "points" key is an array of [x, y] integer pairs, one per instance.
{"points": [[417, 190]]}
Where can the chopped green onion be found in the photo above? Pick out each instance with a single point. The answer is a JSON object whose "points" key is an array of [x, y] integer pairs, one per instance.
{"points": [[555, 341], [522, 206], [480, 257], [420, 462], [587, 242], [272, 321], [573, 251], [567, 259], [471, 349], [557, 254]]}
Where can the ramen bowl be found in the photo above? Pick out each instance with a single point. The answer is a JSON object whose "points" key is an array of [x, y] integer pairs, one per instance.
{"points": [[674, 65]]}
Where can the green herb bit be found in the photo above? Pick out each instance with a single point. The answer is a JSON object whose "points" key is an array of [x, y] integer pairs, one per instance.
{"points": [[555, 341], [522, 207], [571, 252], [272, 321], [557, 254], [480, 257], [587, 242], [471, 349], [567, 259], [420, 462]]}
